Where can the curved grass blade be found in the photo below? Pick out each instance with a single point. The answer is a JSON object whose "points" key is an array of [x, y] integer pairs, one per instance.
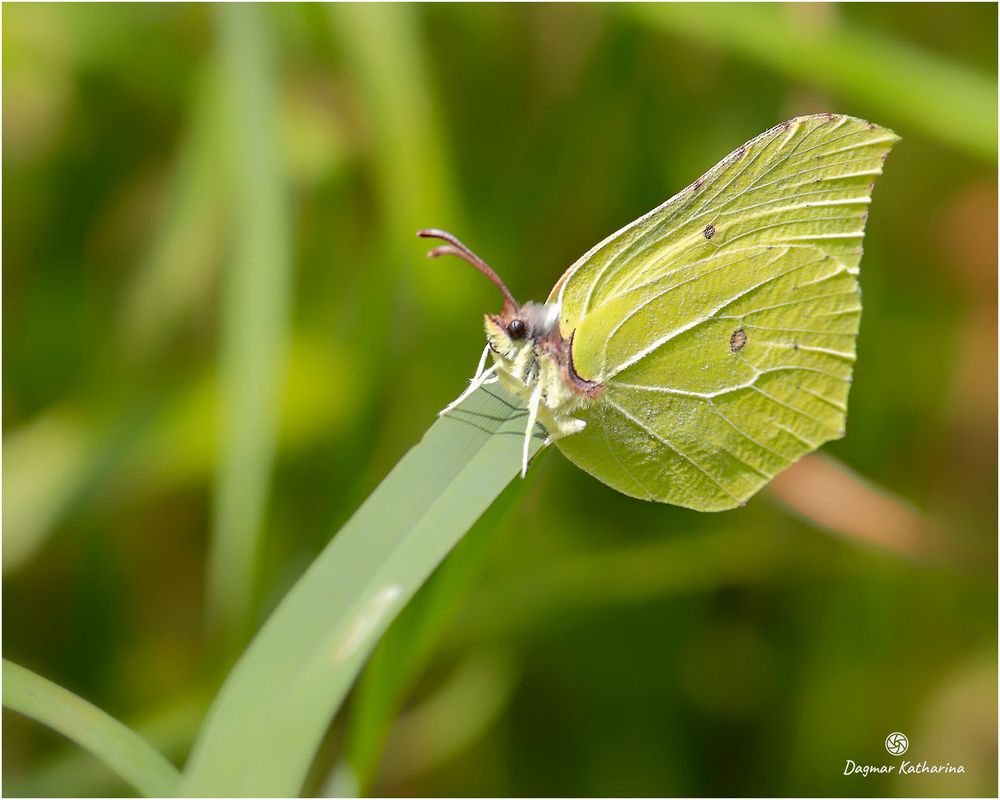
{"points": [[267, 721], [407, 647], [123, 750], [71, 771]]}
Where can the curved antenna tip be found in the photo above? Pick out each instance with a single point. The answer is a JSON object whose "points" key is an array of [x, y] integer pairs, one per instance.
{"points": [[454, 247], [444, 250]]}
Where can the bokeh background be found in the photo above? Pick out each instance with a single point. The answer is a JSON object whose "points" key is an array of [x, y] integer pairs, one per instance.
{"points": [[219, 334]]}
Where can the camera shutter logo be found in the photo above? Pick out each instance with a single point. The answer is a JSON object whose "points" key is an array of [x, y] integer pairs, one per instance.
{"points": [[897, 743]]}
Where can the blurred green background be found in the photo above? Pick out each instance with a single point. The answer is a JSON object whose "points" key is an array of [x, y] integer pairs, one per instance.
{"points": [[220, 334]]}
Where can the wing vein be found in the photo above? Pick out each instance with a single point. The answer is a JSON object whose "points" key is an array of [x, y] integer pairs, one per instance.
{"points": [[744, 434], [795, 409], [698, 321], [667, 443]]}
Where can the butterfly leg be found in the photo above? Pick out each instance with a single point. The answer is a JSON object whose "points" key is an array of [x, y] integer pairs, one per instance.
{"points": [[482, 377], [485, 378], [566, 427], [536, 398]]}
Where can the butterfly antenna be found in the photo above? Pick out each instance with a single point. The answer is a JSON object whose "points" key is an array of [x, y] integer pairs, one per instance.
{"points": [[456, 248]]}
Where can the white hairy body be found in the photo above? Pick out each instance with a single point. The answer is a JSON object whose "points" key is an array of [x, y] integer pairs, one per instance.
{"points": [[537, 368]]}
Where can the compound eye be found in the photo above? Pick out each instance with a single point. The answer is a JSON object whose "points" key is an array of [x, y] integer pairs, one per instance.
{"points": [[516, 329]]}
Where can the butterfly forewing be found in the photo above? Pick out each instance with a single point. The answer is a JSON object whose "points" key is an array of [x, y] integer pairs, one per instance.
{"points": [[806, 181], [723, 323]]}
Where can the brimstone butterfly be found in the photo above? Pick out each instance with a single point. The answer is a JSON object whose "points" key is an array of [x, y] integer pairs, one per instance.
{"points": [[701, 349]]}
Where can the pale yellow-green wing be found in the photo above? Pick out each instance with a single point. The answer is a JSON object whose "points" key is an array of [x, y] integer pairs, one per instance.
{"points": [[806, 181], [723, 323]]}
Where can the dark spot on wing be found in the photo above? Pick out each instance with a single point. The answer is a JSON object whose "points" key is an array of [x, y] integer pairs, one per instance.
{"points": [[737, 340], [709, 231]]}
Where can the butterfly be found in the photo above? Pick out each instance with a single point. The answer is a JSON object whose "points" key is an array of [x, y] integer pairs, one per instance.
{"points": [[703, 348]]}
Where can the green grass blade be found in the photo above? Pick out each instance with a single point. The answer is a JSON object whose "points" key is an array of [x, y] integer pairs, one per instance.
{"points": [[263, 728], [123, 750], [389, 65], [256, 290], [46, 460], [408, 645], [71, 771], [909, 87], [181, 266], [57, 461], [444, 724]]}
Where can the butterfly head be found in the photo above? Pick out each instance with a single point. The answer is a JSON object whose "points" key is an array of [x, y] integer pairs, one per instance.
{"points": [[520, 328]]}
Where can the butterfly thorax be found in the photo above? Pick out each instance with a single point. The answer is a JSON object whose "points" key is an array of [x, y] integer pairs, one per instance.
{"points": [[531, 355]]}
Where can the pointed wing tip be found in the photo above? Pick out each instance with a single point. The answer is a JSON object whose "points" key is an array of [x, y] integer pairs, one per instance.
{"points": [[829, 116]]}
